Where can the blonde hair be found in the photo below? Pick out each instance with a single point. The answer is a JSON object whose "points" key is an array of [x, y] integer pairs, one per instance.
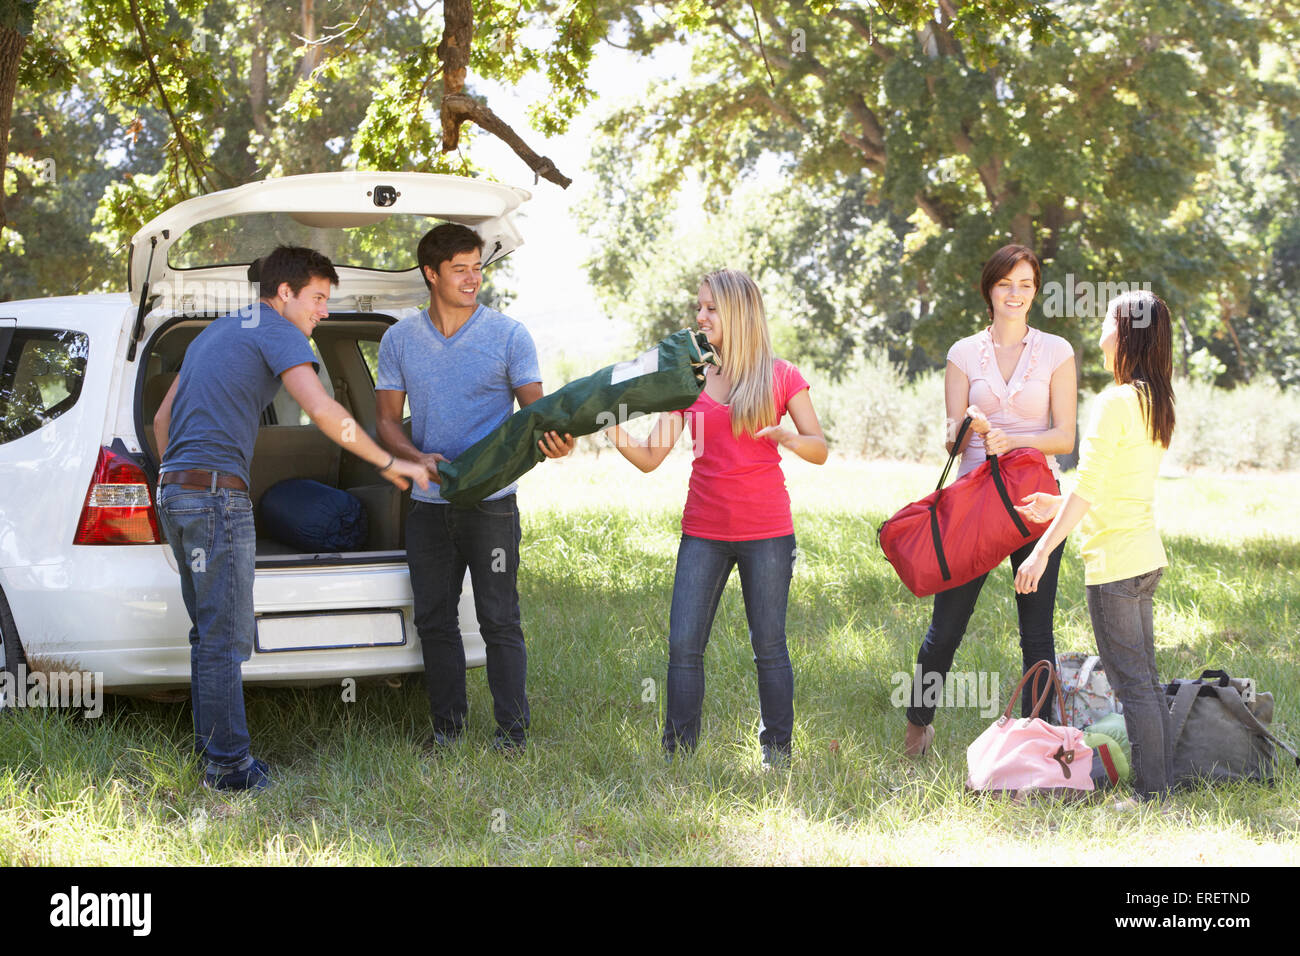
{"points": [[746, 349]]}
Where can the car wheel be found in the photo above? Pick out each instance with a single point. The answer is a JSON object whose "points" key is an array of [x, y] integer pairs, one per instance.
{"points": [[12, 658]]}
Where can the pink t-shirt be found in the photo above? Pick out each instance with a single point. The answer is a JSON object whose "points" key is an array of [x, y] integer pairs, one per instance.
{"points": [[737, 490], [1021, 406]]}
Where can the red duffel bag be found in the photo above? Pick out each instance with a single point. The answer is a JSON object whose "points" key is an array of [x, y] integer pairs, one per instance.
{"points": [[957, 533]]}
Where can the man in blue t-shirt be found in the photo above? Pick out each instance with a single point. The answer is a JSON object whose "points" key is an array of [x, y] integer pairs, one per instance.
{"points": [[206, 428], [463, 366]]}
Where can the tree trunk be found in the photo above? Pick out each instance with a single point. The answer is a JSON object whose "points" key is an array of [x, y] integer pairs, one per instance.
{"points": [[12, 44], [257, 77], [311, 57]]}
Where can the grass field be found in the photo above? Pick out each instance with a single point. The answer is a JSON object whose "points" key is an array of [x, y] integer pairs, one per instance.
{"points": [[352, 786]]}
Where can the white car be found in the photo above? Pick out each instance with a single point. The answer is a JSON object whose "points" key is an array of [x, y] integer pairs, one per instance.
{"points": [[86, 583]]}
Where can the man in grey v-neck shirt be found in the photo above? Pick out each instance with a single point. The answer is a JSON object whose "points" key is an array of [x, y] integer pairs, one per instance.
{"points": [[463, 366]]}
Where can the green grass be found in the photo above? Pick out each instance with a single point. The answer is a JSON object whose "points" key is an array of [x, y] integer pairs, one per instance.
{"points": [[352, 786]]}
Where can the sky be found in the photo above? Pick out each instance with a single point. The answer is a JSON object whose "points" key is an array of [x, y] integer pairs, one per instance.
{"points": [[553, 297]]}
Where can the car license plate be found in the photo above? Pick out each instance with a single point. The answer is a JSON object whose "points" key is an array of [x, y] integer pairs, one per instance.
{"points": [[334, 629]]}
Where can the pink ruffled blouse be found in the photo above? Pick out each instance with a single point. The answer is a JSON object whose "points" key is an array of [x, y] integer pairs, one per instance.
{"points": [[1021, 406]]}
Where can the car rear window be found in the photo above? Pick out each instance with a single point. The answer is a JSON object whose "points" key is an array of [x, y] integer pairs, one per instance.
{"points": [[40, 378], [387, 245]]}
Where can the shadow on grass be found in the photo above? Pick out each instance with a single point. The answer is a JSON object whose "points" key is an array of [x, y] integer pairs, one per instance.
{"points": [[351, 777]]}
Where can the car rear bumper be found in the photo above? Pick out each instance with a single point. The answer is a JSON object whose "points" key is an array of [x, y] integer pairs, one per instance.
{"points": [[117, 611]]}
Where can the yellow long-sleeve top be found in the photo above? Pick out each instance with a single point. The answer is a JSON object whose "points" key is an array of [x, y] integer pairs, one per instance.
{"points": [[1118, 463]]}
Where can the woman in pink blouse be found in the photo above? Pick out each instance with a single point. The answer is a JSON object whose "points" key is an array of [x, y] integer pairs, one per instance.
{"points": [[1018, 384], [737, 509]]}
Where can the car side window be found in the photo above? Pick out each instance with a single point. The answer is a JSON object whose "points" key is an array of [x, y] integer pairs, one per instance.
{"points": [[41, 373], [370, 355], [285, 410]]}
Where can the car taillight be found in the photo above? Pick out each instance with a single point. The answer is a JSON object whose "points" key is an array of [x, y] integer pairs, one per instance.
{"points": [[118, 508]]}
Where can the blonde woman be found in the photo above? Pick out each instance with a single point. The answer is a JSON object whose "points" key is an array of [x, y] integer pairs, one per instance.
{"points": [[737, 509]]}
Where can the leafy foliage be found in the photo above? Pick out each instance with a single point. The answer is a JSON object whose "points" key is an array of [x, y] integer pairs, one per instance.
{"points": [[155, 101], [911, 147]]}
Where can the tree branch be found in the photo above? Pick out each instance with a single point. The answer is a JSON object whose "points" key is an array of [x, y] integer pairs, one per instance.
{"points": [[936, 210], [196, 165], [459, 107], [863, 29], [453, 51], [784, 63], [781, 110], [758, 32]]}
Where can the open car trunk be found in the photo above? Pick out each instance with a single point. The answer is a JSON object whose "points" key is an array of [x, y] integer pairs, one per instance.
{"points": [[190, 264], [288, 445]]}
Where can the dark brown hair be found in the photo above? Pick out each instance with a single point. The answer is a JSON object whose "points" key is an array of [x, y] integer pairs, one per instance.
{"points": [[296, 265], [1001, 263], [444, 243], [1144, 357]]}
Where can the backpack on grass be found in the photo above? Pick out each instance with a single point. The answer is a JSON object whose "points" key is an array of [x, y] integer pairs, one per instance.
{"points": [[1088, 694], [1217, 735]]}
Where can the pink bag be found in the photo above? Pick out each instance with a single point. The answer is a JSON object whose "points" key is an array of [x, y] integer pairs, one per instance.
{"points": [[1029, 753]]}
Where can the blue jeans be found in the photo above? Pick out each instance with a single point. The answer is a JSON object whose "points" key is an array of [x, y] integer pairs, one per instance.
{"points": [[212, 537], [441, 542], [952, 611], [703, 566], [1122, 613]]}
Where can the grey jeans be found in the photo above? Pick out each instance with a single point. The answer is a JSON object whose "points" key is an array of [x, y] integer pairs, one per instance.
{"points": [[1121, 615]]}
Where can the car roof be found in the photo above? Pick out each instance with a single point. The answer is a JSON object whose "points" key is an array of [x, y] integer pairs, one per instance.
{"points": [[68, 311]]}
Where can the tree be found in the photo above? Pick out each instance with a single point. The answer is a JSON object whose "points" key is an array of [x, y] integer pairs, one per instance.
{"points": [[232, 91], [1086, 132], [15, 26]]}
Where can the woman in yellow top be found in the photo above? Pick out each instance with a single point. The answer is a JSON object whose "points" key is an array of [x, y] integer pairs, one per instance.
{"points": [[1123, 557]]}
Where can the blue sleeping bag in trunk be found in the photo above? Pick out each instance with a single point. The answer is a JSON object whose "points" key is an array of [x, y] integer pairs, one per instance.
{"points": [[311, 516]]}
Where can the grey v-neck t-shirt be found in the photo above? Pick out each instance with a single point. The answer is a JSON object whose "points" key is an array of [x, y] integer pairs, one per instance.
{"points": [[460, 388]]}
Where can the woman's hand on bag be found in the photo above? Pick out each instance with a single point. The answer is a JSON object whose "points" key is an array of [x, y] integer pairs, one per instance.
{"points": [[1029, 572], [553, 447], [1040, 507], [996, 442], [979, 421]]}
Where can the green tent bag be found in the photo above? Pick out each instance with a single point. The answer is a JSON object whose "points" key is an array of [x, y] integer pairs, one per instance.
{"points": [[667, 377]]}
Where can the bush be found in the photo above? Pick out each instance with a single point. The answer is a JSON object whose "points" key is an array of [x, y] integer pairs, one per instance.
{"points": [[1251, 427], [874, 412]]}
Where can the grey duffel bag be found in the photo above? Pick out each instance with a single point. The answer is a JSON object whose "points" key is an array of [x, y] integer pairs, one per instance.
{"points": [[1218, 735]]}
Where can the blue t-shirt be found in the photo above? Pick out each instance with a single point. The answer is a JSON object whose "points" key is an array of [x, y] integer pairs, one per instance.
{"points": [[230, 373], [460, 388]]}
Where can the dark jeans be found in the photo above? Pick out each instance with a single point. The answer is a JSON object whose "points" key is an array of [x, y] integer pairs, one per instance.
{"points": [[212, 537], [952, 611], [703, 566], [441, 542], [1121, 613]]}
